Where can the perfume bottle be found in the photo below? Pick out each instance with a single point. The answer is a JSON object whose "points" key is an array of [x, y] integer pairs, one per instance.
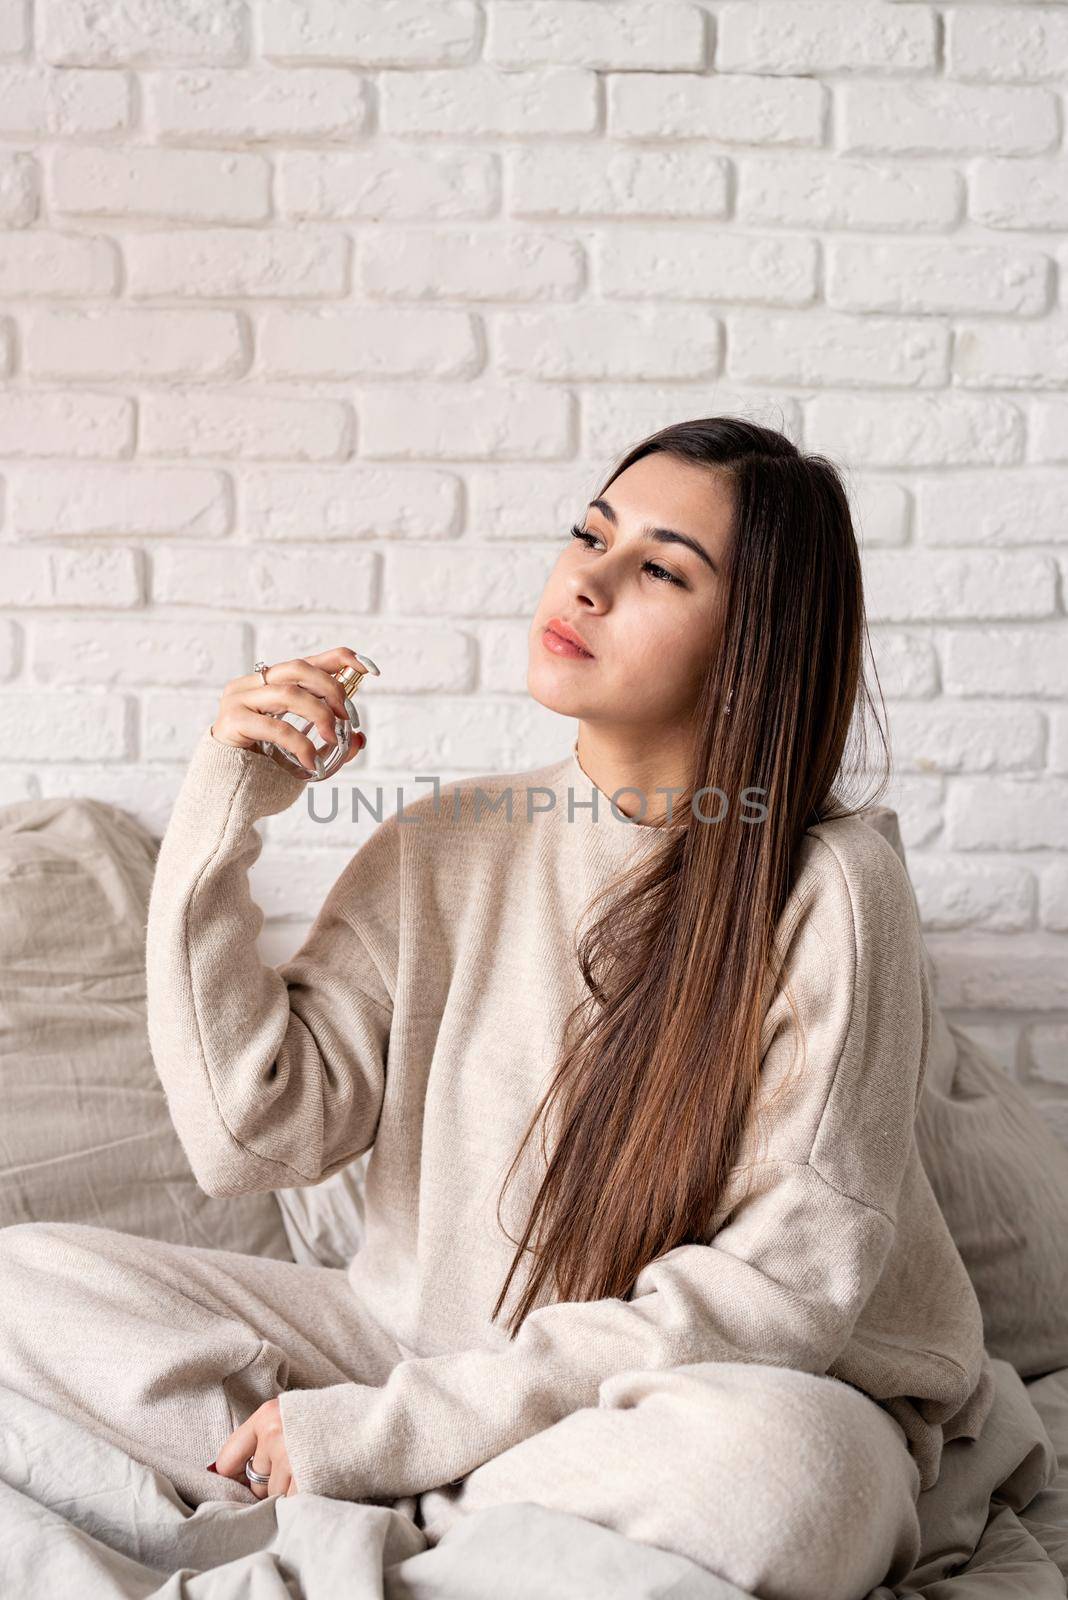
{"points": [[327, 757]]}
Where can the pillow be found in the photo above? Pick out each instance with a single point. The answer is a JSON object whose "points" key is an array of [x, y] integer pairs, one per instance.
{"points": [[85, 1134], [1000, 1175]]}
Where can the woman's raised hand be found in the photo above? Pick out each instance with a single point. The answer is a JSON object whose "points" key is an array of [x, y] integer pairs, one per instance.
{"points": [[250, 710]]}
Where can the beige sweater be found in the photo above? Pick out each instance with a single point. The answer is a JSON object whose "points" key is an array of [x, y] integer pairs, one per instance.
{"points": [[423, 1015]]}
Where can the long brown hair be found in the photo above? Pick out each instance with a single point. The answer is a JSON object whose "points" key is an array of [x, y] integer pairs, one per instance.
{"points": [[661, 1057]]}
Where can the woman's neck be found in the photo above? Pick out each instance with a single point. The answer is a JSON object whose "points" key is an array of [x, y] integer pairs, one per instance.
{"points": [[643, 773]]}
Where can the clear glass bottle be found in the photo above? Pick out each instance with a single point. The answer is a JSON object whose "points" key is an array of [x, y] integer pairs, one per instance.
{"points": [[327, 757]]}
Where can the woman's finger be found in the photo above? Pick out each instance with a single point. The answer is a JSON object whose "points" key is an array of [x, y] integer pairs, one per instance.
{"points": [[255, 725], [230, 1461], [291, 677], [334, 660], [313, 678], [275, 698], [315, 668]]}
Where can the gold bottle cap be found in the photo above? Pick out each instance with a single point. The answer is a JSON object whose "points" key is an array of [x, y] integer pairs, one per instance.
{"points": [[350, 678]]}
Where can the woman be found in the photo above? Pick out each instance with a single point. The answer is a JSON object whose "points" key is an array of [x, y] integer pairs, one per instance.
{"points": [[665, 1059]]}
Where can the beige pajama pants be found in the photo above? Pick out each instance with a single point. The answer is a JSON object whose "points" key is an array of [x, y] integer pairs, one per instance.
{"points": [[789, 1485]]}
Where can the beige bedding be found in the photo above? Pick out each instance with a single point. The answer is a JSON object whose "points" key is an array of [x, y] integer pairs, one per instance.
{"points": [[80, 1518]]}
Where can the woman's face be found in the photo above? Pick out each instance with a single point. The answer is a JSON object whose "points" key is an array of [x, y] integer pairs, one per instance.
{"points": [[650, 637]]}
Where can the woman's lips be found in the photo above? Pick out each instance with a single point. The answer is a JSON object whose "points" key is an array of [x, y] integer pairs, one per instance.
{"points": [[563, 647]]}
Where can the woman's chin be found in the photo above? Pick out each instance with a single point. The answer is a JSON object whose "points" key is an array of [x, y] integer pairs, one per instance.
{"points": [[547, 689]]}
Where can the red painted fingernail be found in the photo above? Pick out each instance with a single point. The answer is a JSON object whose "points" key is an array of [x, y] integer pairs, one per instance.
{"points": [[213, 1468]]}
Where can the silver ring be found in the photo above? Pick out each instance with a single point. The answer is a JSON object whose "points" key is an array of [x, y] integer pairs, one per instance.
{"points": [[262, 668], [253, 1476]]}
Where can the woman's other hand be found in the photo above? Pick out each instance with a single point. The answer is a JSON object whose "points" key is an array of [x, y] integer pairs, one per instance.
{"points": [[259, 1436], [250, 710]]}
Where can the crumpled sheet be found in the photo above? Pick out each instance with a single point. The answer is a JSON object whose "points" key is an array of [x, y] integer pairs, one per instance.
{"points": [[78, 1517]]}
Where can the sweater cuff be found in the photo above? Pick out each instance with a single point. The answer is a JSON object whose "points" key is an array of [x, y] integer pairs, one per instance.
{"points": [[324, 1433], [264, 786]]}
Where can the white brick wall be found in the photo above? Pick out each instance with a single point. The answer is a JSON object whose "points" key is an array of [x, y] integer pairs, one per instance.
{"points": [[319, 320]]}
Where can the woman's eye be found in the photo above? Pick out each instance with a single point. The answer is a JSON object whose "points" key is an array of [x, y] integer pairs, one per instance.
{"points": [[667, 576], [658, 573], [580, 533]]}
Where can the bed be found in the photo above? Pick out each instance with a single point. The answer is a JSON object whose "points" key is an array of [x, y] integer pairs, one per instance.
{"points": [[86, 1137]]}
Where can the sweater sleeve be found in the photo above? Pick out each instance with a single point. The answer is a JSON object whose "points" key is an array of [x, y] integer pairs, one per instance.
{"points": [[782, 1281], [274, 1077]]}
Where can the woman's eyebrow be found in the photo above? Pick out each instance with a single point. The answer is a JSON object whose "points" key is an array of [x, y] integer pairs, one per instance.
{"points": [[661, 535]]}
